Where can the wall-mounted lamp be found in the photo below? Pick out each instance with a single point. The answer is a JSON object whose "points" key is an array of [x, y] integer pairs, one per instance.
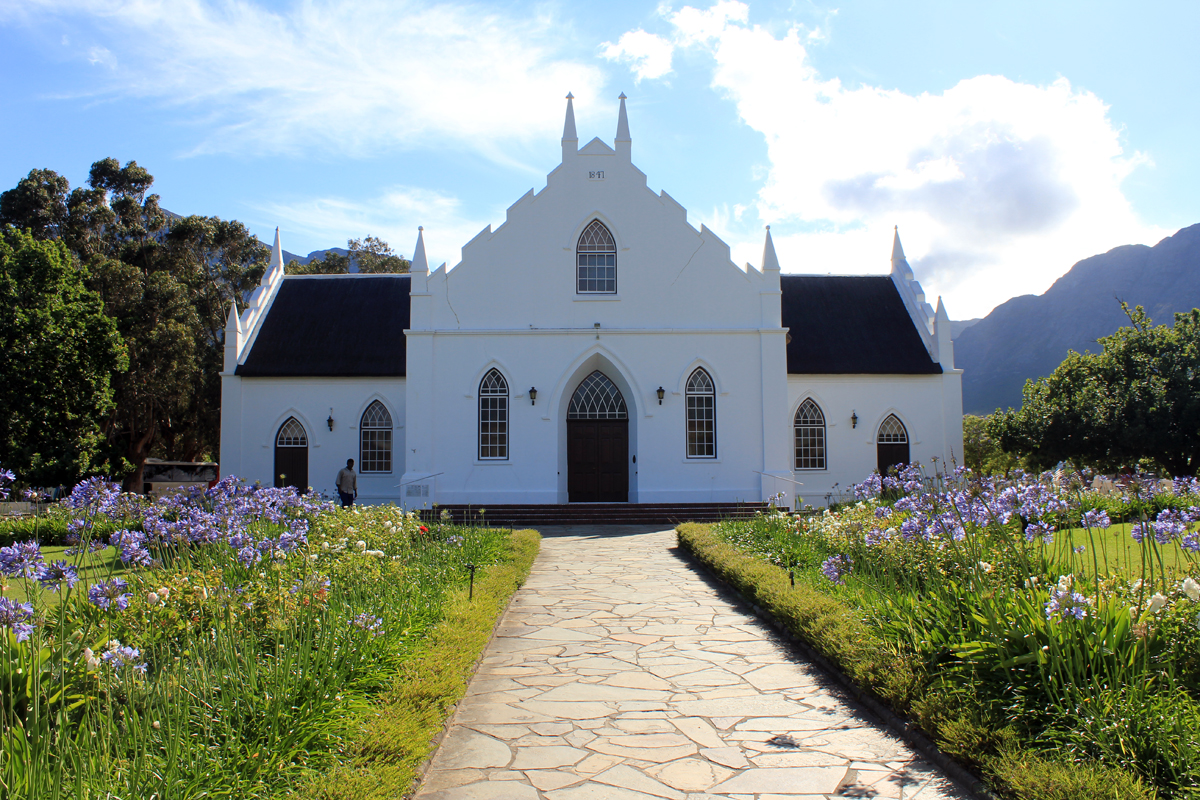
{"points": [[661, 392], [329, 421], [532, 396], [853, 419]]}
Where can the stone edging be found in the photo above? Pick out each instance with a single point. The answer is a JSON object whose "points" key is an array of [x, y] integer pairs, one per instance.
{"points": [[966, 781]]}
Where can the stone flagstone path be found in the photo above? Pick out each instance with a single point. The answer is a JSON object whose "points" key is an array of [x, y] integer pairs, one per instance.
{"points": [[620, 673]]}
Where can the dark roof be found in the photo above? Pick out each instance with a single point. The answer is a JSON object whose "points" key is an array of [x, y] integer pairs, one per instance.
{"points": [[346, 326], [851, 325]]}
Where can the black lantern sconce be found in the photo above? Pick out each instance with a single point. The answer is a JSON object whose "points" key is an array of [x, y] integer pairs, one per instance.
{"points": [[853, 419], [329, 421], [661, 392], [532, 396]]}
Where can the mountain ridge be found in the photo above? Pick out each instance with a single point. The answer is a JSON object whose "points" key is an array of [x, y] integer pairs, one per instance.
{"points": [[1029, 335]]}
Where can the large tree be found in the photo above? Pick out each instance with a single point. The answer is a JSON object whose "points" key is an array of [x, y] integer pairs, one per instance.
{"points": [[1138, 399], [168, 283], [58, 352], [370, 255]]}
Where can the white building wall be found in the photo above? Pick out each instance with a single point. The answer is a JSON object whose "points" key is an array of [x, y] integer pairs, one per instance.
{"points": [[919, 401], [253, 409]]}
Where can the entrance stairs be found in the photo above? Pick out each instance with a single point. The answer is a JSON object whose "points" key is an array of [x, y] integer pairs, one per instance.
{"points": [[533, 516]]}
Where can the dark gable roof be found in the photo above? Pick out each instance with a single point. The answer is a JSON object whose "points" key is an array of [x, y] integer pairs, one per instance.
{"points": [[851, 325], [333, 326]]}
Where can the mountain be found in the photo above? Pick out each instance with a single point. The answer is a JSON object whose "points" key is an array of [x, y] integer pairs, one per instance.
{"points": [[315, 254], [1028, 336]]}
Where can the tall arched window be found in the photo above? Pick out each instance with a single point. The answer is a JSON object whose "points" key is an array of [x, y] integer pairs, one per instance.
{"points": [[891, 443], [291, 455], [809, 436], [701, 416], [596, 261], [493, 416], [375, 439]]}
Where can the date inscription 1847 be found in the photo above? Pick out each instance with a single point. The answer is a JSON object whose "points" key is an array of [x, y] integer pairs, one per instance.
{"points": [[596, 175]]}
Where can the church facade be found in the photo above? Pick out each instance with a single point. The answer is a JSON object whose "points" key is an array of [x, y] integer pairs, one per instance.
{"points": [[593, 348]]}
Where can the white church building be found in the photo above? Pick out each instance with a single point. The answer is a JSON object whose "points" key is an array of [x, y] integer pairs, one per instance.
{"points": [[593, 348]]}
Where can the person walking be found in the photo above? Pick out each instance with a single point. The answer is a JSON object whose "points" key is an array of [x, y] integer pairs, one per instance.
{"points": [[347, 484]]}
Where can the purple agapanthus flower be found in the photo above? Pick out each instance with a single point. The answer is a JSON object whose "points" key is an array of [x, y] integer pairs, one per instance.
{"points": [[1036, 529], [368, 623], [16, 618], [248, 557], [22, 560], [835, 568], [108, 593], [118, 655], [1065, 604], [1096, 518], [58, 573]]}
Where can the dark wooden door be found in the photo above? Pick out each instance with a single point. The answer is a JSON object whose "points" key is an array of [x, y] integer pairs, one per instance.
{"points": [[597, 461], [891, 455], [291, 467]]}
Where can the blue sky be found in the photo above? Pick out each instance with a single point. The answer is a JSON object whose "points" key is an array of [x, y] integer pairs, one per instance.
{"points": [[1007, 140]]}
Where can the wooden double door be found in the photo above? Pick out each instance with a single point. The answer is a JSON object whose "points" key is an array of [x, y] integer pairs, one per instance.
{"points": [[598, 460]]}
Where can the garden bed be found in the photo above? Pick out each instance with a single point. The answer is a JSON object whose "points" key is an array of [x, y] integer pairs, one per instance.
{"points": [[243, 642], [1021, 634]]}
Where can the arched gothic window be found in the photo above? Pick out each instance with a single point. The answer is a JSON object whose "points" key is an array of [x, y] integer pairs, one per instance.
{"points": [[375, 439], [701, 416], [891, 444], [597, 398], [493, 416], [809, 436], [596, 261]]}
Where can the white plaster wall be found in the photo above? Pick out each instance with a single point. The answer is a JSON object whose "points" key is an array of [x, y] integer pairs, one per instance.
{"points": [[254, 408], [924, 403], [638, 361]]}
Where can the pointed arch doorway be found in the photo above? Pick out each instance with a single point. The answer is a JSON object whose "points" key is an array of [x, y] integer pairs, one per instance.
{"points": [[597, 443]]}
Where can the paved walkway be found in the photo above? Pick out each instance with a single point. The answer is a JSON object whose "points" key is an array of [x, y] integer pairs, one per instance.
{"points": [[621, 673]]}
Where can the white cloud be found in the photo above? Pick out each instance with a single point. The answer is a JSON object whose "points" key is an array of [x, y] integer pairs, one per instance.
{"points": [[341, 76], [393, 215], [648, 55], [997, 186]]}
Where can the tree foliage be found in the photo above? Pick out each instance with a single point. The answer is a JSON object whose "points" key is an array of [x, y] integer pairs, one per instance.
{"points": [[167, 282], [58, 353], [981, 453], [368, 255], [1138, 399]]}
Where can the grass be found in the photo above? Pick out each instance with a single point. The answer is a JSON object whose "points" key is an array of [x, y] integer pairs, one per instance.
{"points": [[250, 670], [394, 737], [93, 568], [1116, 552], [836, 627]]}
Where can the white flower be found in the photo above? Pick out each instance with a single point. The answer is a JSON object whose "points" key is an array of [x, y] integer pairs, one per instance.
{"points": [[361, 545], [1191, 589], [985, 566], [1156, 603], [1064, 582], [90, 659], [164, 593], [153, 599], [1031, 582], [1136, 586]]}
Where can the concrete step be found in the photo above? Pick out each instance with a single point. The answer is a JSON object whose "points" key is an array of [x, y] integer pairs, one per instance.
{"points": [[593, 513]]}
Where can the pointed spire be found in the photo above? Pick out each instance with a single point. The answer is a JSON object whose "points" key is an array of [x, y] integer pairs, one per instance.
{"points": [[233, 322], [419, 262], [624, 143], [569, 124], [897, 250], [769, 259], [570, 140], [942, 314], [622, 121], [276, 257]]}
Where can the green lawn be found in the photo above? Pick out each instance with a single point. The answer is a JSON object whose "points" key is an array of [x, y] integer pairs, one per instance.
{"points": [[94, 568], [1115, 551]]}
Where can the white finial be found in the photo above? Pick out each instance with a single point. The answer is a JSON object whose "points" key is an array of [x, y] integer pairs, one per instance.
{"points": [[622, 122], [769, 260], [897, 250], [570, 138], [419, 262], [276, 255]]}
